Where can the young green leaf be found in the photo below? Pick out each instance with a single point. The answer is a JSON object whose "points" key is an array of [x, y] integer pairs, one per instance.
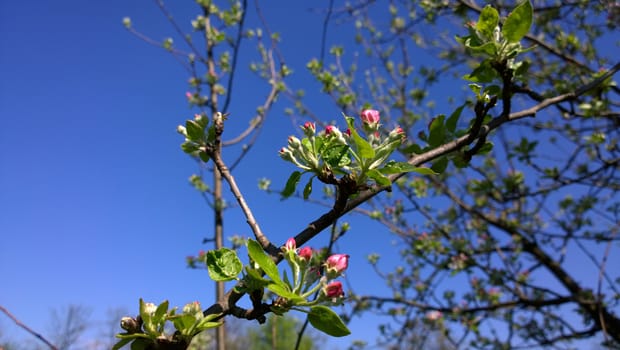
{"points": [[291, 184], [393, 167], [518, 22], [194, 131], [284, 292], [454, 118], [484, 73], [437, 131], [255, 251], [308, 188], [206, 323], [379, 178], [161, 311], [488, 20], [189, 147], [364, 149], [253, 280], [122, 343], [203, 156], [327, 321], [223, 264]]}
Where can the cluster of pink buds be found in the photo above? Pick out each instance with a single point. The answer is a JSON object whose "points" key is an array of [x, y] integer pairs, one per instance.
{"points": [[361, 153], [306, 273]]}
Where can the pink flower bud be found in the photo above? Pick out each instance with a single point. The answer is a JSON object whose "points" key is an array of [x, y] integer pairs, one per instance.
{"points": [[189, 95], [309, 128], [290, 244], [336, 264], [370, 117], [333, 290], [305, 253], [397, 134], [330, 129]]}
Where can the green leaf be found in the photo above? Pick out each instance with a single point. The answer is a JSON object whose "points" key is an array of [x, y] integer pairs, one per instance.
{"points": [[493, 90], [308, 188], [203, 156], [194, 131], [440, 165], [336, 156], [291, 184], [122, 343], [379, 178], [189, 147], [253, 279], [437, 131], [206, 323], [486, 148], [518, 22], [223, 264], [489, 48], [364, 149], [404, 167], [255, 251], [454, 118], [327, 321], [484, 73], [140, 344], [488, 20], [183, 322], [161, 311], [285, 292]]}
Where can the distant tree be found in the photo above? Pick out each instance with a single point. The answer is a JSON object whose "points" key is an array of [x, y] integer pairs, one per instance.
{"points": [[68, 324]]}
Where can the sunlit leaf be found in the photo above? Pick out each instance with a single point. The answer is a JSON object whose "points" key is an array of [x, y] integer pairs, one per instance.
{"points": [[488, 20], [256, 252], [194, 131], [364, 149], [327, 321], [437, 131], [223, 264], [454, 118], [518, 22], [291, 184], [379, 178], [404, 167]]}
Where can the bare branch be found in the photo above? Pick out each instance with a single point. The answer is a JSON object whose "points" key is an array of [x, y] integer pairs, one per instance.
{"points": [[27, 329]]}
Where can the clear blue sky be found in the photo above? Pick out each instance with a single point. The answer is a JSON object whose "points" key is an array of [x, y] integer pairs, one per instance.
{"points": [[95, 207]]}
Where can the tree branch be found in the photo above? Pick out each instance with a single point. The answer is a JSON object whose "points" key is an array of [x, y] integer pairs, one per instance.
{"points": [[27, 329]]}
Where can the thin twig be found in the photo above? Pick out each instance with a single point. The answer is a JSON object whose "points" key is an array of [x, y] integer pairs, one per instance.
{"points": [[28, 329]]}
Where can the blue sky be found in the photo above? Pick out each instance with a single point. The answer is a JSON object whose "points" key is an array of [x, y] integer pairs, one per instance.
{"points": [[95, 207]]}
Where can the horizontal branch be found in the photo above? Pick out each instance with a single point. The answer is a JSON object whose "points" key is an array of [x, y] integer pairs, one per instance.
{"points": [[518, 303]]}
